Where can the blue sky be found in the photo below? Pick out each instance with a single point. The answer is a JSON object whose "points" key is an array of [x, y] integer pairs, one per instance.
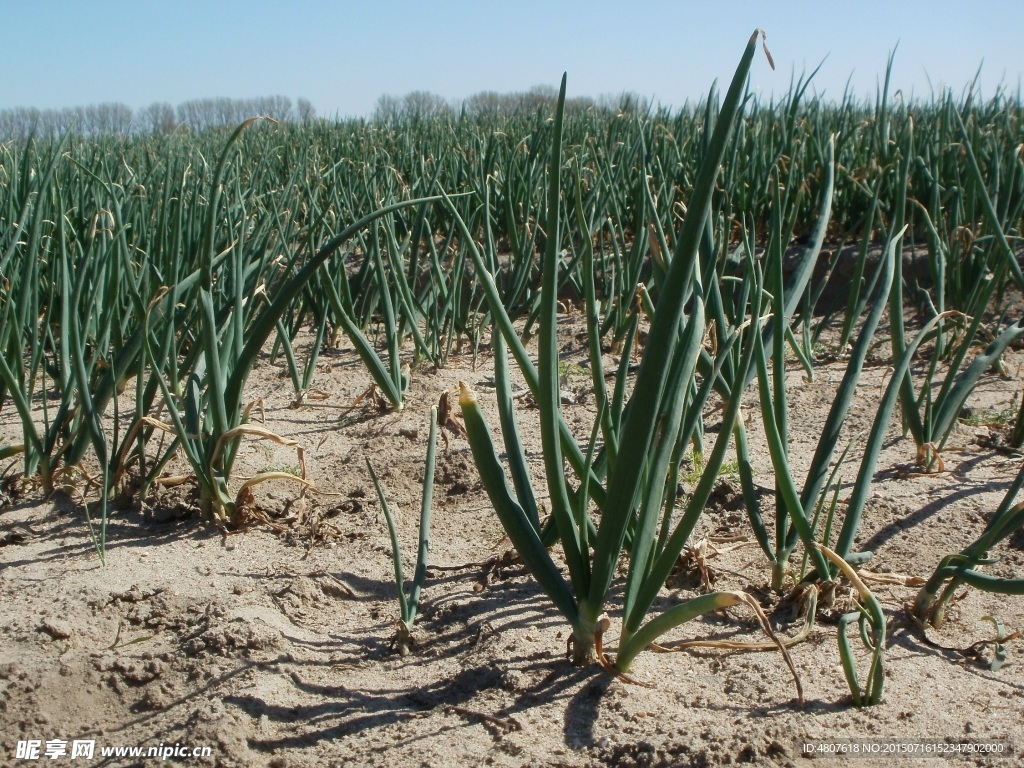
{"points": [[343, 55]]}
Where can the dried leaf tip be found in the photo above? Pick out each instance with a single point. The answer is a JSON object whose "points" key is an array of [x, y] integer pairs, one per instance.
{"points": [[764, 47], [466, 395]]}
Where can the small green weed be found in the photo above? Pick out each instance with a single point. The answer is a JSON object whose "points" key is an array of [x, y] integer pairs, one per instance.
{"points": [[989, 417], [730, 470]]}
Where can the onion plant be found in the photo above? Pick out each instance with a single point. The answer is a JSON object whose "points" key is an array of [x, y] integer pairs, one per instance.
{"points": [[62, 313], [208, 414], [409, 604], [793, 508], [871, 624], [964, 567], [636, 502], [29, 314], [931, 416]]}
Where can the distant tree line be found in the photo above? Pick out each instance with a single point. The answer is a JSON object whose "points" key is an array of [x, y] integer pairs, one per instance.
{"points": [[203, 114], [425, 104], [157, 118]]}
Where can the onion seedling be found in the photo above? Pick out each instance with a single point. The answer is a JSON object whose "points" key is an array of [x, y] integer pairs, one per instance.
{"points": [[409, 605], [871, 622]]}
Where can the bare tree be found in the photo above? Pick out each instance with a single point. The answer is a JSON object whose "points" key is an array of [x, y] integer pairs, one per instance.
{"points": [[413, 104], [193, 114], [276, 107], [537, 97], [540, 96], [93, 120], [305, 113], [18, 122], [157, 118], [485, 103], [226, 111], [424, 104], [388, 107], [106, 118]]}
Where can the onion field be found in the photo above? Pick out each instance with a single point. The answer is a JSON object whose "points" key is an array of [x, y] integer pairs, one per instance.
{"points": [[600, 323]]}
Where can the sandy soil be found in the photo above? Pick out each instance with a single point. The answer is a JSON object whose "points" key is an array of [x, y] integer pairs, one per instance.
{"points": [[271, 646]]}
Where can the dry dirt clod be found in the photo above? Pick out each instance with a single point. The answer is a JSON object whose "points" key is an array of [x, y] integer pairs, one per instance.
{"points": [[57, 629], [505, 723]]}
